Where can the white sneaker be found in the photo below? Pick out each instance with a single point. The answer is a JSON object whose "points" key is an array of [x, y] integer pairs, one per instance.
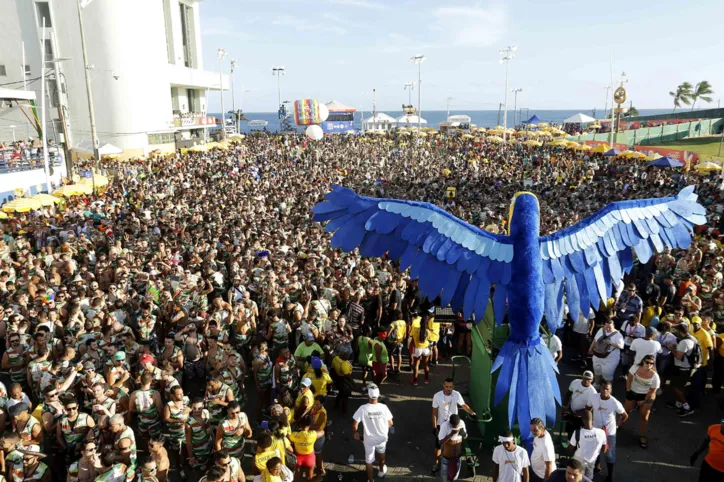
{"points": [[382, 472]]}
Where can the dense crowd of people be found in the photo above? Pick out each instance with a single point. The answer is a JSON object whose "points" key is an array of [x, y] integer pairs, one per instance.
{"points": [[192, 313]]}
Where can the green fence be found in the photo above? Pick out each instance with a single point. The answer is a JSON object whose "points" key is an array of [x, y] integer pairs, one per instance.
{"points": [[657, 135]]}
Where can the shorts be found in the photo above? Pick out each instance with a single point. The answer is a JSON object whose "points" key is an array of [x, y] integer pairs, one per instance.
{"points": [[379, 369], [635, 397], [318, 445], [421, 352], [306, 460], [394, 349], [371, 449], [680, 378]]}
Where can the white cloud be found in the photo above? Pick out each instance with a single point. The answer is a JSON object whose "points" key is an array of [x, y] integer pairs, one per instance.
{"points": [[360, 3], [471, 26], [222, 27]]}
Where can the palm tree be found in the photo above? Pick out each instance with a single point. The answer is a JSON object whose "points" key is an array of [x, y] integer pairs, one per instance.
{"points": [[631, 112], [682, 94], [701, 91]]}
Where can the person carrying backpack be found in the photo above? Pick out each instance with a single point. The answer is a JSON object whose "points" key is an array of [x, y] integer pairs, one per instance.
{"points": [[687, 359]]}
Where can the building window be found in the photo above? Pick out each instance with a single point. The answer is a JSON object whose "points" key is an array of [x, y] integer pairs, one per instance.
{"points": [[174, 100], [43, 9], [3, 71], [193, 100], [49, 50], [169, 31], [163, 138], [187, 34], [27, 71]]}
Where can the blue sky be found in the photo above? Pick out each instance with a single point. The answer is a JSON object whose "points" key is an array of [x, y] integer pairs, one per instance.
{"points": [[340, 49]]}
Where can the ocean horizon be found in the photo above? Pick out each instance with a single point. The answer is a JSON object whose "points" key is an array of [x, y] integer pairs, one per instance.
{"points": [[481, 118]]}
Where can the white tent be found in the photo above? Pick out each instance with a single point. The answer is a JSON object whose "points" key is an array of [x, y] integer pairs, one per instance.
{"points": [[379, 122], [409, 119], [335, 106], [105, 149], [579, 119]]}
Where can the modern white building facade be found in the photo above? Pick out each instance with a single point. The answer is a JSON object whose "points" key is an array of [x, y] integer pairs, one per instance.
{"points": [[147, 74]]}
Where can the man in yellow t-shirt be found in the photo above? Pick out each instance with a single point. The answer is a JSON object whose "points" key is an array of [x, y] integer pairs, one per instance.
{"points": [[704, 339], [265, 450], [396, 333], [305, 399]]}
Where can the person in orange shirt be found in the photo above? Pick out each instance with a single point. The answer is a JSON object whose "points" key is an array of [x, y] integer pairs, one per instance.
{"points": [[712, 469]]}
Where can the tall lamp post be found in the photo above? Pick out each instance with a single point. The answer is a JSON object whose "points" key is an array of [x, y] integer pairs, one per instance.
{"points": [[222, 53], [605, 106], [419, 59], [409, 87], [507, 54], [89, 92], [515, 104], [233, 99], [279, 71]]}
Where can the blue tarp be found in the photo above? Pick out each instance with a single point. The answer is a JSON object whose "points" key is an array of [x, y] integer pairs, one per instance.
{"points": [[533, 120], [612, 152], [665, 162]]}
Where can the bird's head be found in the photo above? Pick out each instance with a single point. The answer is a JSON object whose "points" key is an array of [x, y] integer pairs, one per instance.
{"points": [[524, 218]]}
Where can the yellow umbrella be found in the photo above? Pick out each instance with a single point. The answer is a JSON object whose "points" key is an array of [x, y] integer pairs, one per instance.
{"points": [[533, 143], [582, 147], [633, 155], [542, 124], [601, 148], [468, 136], [545, 134], [198, 148], [624, 154], [495, 139], [73, 190], [572, 145], [422, 134], [499, 128], [432, 133], [46, 199], [653, 157], [495, 131], [705, 166], [100, 181], [21, 205], [559, 143], [3, 215]]}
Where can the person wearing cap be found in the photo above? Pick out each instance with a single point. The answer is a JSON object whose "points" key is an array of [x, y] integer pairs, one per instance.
{"points": [[117, 375], [451, 436], [30, 467], [376, 421], [649, 345], [419, 332], [147, 364], [510, 461], [683, 370], [305, 398], [28, 427], [606, 350], [632, 329], [319, 375], [712, 468], [237, 291], [574, 402]]}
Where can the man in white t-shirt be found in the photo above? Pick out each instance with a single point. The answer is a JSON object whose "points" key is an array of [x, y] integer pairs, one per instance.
{"points": [[632, 330], [543, 457], [589, 442], [556, 347], [444, 404], [683, 370], [583, 329], [605, 409], [376, 419], [511, 461], [575, 400], [641, 347]]}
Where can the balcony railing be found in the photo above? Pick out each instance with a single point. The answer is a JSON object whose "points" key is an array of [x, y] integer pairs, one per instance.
{"points": [[27, 159]]}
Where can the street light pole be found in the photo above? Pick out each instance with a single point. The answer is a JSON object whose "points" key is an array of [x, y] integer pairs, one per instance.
{"points": [[89, 92], [222, 53], [44, 137], [508, 53], [233, 100], [605, 108], [279, 71], [419, 59], [409, 87], [515, 105]]}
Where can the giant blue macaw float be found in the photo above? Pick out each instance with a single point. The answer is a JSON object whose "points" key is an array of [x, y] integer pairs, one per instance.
{"points": [[530, 273]]}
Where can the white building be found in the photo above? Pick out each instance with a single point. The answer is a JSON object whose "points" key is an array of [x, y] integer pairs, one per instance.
{"points": [[148, 79], [379, 122]]}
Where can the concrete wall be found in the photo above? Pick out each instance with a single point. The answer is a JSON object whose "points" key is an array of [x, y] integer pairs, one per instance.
{"points": [[32, 181]]}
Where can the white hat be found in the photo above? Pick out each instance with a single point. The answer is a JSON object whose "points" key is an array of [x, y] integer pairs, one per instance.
{"points": [[373, 392], [306, 382]]}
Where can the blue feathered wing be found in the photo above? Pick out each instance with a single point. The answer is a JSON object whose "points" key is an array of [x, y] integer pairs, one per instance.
{"points": [[585, 260], [450, 258]]}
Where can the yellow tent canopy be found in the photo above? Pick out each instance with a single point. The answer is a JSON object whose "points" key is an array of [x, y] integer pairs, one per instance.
{"points": [[73, 190], [495, 139], [21, 205], [572, 145], [653, 157], [705, 166], [582, 147], [198, 148], [533, 143], [559, 143], [46, 199], [601, 148], [100, 181], [633, 155]]}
